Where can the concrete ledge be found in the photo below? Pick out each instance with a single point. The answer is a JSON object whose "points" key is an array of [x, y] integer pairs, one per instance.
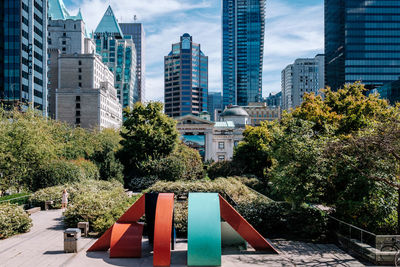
{"points": [[33, 210]]}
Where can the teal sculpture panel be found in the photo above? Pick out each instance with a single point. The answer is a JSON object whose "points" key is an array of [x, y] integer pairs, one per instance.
{"points": [[204, 230]]}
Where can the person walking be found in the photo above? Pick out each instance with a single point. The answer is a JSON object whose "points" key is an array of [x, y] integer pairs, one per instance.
{"points": [[64, 200]]}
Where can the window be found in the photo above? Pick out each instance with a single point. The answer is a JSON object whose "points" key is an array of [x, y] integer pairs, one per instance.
{"points": [[80, 84], [221, 145], [77, 105], [78, 113], [64, 42], [78, 98], [64, 33], [64, 49], [80, 77], [80, 62], [77, 120], [80, 70], [221, 157]]}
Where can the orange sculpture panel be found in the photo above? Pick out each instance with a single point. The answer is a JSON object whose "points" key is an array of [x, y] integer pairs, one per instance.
{"points": [[163, 229], [257, 241], [126, 240]]}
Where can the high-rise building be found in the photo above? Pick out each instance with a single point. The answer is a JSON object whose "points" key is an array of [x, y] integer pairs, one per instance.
{"points": [[214, 102], [362, 42], [243, 23], [23, 53], [186, 79], [138, 36], [67, 35], [305, 75], [274, 100], [85, 95], [119, 54]]}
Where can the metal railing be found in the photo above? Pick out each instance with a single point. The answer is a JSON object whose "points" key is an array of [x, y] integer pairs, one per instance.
{"points": [[12, 200]]}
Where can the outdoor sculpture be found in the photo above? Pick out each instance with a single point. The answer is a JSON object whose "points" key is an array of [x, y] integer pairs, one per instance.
{"points": [[205, 210]]}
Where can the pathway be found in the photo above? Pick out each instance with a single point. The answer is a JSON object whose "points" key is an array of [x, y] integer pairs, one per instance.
{"points": [[43, 246]]}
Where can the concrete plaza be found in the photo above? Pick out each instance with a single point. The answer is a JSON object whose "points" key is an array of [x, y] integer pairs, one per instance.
{"points": [[43, 246]]}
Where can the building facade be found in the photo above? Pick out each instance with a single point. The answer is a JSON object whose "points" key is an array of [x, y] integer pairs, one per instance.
{"points": [[118, 52], [260, 111], [362, 42], [243, 23], [186, 79], [214, 140], [305, 75], [67, 35], [23, 53], [274, 100], [85, 95], [214, 103], [138, 36]]}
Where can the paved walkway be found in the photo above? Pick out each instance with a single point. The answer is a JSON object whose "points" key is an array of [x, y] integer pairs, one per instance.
{"points": [[43, 246]]}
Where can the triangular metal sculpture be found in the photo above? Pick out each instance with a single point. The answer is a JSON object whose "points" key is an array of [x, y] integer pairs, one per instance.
{"points": [[205, 210]]}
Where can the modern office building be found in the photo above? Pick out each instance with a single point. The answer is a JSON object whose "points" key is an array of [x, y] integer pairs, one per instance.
{"points": [[273, 100], [362, 42], [214, 103], [389, 91], [305, 75], [186, 78], [243, 25], [138, 36], [119, 54], [23, 53], [85, 95]]}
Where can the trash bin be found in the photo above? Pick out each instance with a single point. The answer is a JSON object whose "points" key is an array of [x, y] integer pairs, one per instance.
{"points": [[84, 226], [71, 238], [47, 204]]}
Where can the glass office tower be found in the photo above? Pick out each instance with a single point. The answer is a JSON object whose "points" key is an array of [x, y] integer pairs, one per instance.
{"points": [[138, 36], [23, 53], [243, 23], [214, 103], [186, 79], [362, 42], [118, 52]]}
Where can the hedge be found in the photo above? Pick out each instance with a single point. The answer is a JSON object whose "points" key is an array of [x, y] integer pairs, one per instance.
{"points": [[74, 189], [272, 219], [13, 220]]}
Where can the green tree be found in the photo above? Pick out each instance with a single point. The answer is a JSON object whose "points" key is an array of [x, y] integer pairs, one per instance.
{"points": [[147, 134], [344, 111], [298, 170], [253, 154]]}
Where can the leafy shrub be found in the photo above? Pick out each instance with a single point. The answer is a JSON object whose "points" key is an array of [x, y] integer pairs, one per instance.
{"points": [[61, 172], [138, 184], [55, 192], [13, 220], [224, 168], [101, 209], [89, 169], [270, 218]]}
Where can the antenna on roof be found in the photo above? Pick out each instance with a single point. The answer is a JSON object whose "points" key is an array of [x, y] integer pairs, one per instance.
{"points": [[134, 18]]}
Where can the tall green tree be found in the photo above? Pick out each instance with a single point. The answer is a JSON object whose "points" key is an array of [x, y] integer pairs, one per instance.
{"points": [[147, 134]]}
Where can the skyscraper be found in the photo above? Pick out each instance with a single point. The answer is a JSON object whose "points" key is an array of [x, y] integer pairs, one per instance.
{"points": [[186, 78], [243, 24], [362, 42], [305, 75], [214, 102], [118, 52], [138, 36], [23, 53]]}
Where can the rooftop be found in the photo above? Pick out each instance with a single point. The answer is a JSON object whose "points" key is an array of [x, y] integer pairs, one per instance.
{"points": [[235, 111], [109, 24]]}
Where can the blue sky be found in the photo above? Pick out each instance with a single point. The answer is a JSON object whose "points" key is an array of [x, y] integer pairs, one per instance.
{"points": [[294, 29]]}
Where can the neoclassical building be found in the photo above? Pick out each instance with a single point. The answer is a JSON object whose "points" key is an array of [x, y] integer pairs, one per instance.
{"points": [[214, 140]]}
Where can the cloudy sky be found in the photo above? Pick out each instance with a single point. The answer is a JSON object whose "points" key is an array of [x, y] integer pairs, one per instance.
{"points": [[294, 28]]}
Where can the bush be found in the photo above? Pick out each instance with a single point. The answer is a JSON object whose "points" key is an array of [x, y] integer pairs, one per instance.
{"points": [[270, 218], [138, 184], [101, 209], [13, 220], [62, 172], [74, 189], [223, 168]]}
